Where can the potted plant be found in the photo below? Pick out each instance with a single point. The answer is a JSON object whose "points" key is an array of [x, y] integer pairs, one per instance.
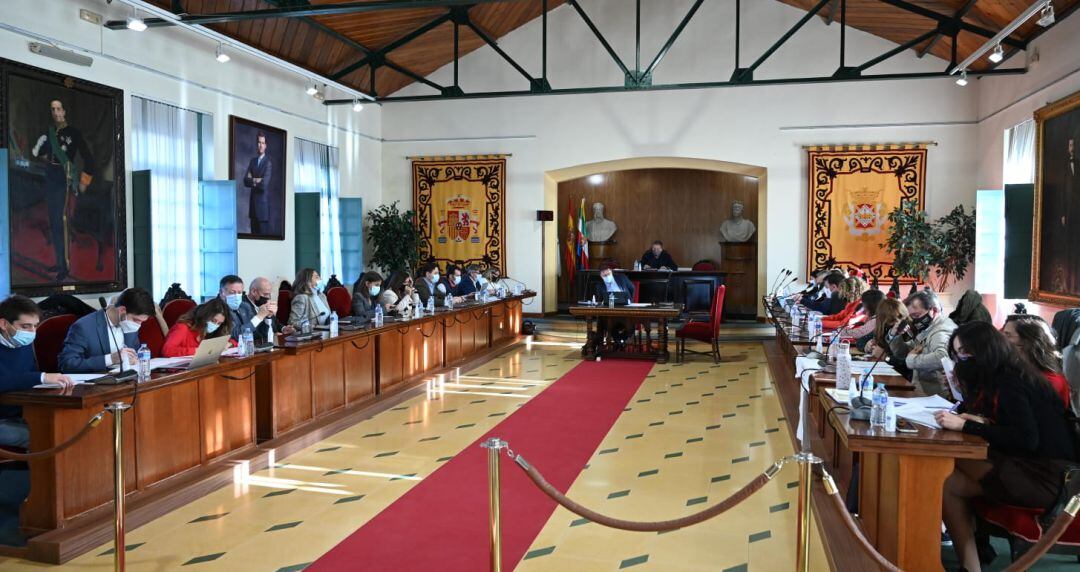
{"points": [[394, 238], [918, 245], [956, 250]]}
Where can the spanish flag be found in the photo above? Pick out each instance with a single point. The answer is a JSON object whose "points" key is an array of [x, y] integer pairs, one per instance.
{"points": [[571, 243]]}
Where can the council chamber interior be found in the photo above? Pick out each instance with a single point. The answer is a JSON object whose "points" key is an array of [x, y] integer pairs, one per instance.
{"points": [[450, 285]]}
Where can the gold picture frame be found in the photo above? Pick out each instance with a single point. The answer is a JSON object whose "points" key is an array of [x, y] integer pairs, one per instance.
{"points": [[1055, 276]]}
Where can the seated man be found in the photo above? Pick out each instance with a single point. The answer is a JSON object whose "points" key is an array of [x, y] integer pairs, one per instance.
{"points": [[471, 283], [450, 282], [242, 310], [611, 283], [833, 302], [924, 344], [428, 285], [656, 258], [107, 337], [19, 318]]}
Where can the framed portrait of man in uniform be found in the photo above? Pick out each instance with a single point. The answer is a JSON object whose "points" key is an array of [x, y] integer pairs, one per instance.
{"points": [[257, 164], [1055, 264], [66, 194]]}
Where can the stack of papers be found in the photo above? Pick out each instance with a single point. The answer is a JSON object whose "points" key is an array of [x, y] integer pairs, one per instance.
{"points": [[78, 378], [921, 410]]}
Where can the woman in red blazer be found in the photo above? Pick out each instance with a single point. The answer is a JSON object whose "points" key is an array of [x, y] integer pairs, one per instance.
{"points": [[207, 320]]}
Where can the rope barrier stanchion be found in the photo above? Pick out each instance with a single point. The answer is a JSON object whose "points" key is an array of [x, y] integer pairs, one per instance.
{"points": [[494, 447], [90, 424], [834, 493], [806, 462], [117, 409]]}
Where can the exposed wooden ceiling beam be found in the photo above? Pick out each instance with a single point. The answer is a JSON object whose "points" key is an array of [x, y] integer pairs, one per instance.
{"points": [[937, 37], [947, 19]]}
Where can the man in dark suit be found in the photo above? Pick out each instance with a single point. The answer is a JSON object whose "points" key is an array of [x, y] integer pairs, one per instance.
{"points": [[243, 311], [427, 284], [470, 283], [257, 179], [107, 337], [831, 303], [656, 258], [612, 283]]}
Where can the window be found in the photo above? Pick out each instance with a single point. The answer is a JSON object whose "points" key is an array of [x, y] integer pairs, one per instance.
{"points": [[169, 142], [1019, 162], [317, 172], [990, 241]]}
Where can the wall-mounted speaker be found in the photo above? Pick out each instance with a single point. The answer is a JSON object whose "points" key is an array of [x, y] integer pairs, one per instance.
{"points": [[545, 216]]}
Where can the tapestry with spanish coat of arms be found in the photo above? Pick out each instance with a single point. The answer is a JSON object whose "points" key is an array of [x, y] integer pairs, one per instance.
{"points": [[460, 209], [852, 191]]}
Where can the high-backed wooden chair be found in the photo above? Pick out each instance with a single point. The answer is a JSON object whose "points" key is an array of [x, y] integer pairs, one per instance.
{"points": [[704, 266], [174, 309], [703, 331], [49, 340], [284, 306], [152, 332], [339, 300]]}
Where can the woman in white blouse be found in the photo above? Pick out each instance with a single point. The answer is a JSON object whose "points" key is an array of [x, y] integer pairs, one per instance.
{"points": [[309, 301], [399, 296]]}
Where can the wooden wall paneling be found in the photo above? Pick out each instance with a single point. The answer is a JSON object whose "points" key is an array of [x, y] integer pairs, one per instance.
{"points": [[167, 436], [328, 378], [359, 361], [390, 359], [227, 409], [292, 405], [411, 351], [433, 346], [681, 207], [482, 332], [451, 339]]}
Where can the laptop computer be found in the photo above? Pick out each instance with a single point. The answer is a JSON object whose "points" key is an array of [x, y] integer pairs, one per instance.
{"points": [[208, 353]]}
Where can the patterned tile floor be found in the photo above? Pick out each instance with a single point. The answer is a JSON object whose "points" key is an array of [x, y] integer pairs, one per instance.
{"points": [[692, 435]]}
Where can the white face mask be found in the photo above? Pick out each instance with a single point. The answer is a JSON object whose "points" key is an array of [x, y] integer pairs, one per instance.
{"points": [[212, 327], [609, 279], [129, 327]]}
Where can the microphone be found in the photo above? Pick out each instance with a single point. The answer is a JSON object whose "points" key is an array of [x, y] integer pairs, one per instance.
{"points": [[823, 360], [861, 406], [783, 285], [783, 273]]}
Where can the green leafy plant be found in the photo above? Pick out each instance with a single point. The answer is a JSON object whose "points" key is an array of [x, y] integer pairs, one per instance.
{"points": [[946, 246], [394, 238]]}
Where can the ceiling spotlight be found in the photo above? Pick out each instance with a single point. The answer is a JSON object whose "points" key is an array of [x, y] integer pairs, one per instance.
{"points": [[221, 56], [320, 93], [997, 55], [1046, 19], [357, 106], [962, 80], [134, 22], [311, 89]]}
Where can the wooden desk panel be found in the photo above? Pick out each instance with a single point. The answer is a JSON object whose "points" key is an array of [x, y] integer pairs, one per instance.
{"points": [[467, 326], [482, 333], [168, 440], [432, 350], [359, 363], [412, 348], [390, 366], [227, 407], [328, 377], [291, 391], [452, 349]]}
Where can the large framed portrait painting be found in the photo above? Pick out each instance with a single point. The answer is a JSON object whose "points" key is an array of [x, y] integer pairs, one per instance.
{"points": [[66, 199], [257, 164], [1055, 271]]}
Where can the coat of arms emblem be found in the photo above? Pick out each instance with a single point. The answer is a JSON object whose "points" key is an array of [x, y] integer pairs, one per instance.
{"points": [[863, 213], [458, 221]]}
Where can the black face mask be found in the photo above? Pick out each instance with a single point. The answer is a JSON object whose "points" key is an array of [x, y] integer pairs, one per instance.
{"points": [[920, 324], [262, 301]]}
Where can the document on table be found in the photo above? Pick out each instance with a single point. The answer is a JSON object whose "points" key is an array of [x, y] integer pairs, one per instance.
{"points": [[78, 378], [921, 410]]}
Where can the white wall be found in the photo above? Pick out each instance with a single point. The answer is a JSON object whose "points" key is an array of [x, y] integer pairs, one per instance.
{"points": [[176, 66], [761, 125]]}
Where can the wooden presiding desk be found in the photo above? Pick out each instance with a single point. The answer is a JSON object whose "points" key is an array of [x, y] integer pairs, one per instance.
{"points": [[900, 474], [188, 430], [639, 346]]}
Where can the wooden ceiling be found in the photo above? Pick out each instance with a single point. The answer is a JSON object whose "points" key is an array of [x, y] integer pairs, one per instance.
{"points": [[340, 46]]}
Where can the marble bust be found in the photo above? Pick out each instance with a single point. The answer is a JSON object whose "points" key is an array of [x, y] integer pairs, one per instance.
{"points": [[737, 228], [599, 229]]}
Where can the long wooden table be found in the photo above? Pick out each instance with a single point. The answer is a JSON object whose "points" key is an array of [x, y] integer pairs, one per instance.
{"points": [[900, 475], [637, 348], [188, 429]]}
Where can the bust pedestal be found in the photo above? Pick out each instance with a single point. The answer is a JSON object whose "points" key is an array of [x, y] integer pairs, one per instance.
{"points": [[600, 252]]}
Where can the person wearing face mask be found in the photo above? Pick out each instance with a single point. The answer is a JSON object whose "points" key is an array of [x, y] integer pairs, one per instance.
{"points": [[1010, 405], [365, 295], [471, 283], [923, 341], [19, 319], [207, 320], [427, 284], [260, 309], [231, 292], [450, 283], [399, 297], [494, 283], [102, 339], [309, 299], [612, 283]]}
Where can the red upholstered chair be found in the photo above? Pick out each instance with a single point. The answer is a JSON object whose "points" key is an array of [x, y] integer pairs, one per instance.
{"points": [[174, 309], [340, 301], [637, 290], [284, 306], [1021, 526], [703, 331], [152, 333], [704, 266], [49, 340]]}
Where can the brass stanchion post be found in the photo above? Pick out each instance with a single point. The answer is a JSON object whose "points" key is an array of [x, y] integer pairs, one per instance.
{"points": [[807, 460], [117, 409], [494, 447]]}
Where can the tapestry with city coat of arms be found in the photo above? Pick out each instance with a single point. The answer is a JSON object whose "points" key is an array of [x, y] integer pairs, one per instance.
{"points": [[460, 205], [852, 191]]}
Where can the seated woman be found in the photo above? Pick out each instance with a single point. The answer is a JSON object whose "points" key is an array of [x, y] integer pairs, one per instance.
{"points": [[891, 316], [864, 332], [1034, 340], [365, 294], [1022, 419], [851, 289], [207, 320], [399, 297], [309, 302]]}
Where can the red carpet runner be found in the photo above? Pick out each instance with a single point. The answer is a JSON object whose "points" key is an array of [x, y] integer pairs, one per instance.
{"points": [[441, 523]]}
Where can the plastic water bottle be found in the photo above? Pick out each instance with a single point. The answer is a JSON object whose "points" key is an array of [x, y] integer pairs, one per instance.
{"points": [[843, 371], [796, 321], [333, 324], [378, 315], [611, 300], [269, 329], [247, 341], [880, 404], [431, 304], [144, 362], [418, 312], [449, 302]]}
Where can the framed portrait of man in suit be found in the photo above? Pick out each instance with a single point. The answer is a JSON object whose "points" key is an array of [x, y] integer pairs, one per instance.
{"points": [[257, 164], [1055, 264]]}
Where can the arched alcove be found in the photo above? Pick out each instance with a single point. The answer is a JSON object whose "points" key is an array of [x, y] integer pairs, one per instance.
{"points": [[553, 178]]}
